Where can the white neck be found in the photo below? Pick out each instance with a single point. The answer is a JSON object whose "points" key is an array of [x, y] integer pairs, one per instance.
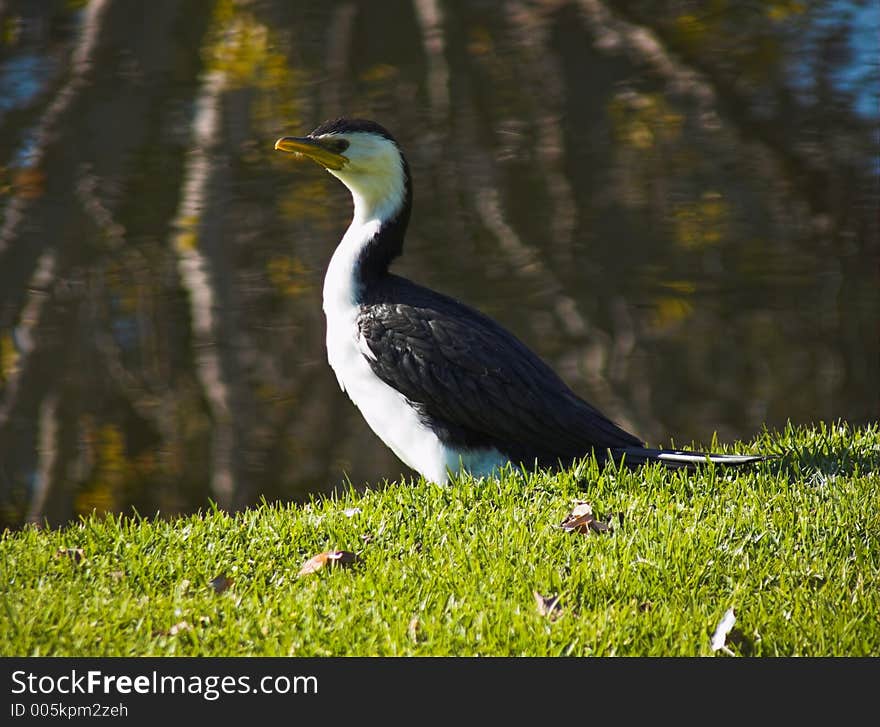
{"points": [[341, 288], [377, 198], [378, 195]]}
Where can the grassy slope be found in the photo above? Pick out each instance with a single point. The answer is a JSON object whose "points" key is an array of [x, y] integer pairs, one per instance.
{"points": [[793, 546]]}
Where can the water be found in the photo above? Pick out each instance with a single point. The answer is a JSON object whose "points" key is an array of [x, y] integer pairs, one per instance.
{"points": [[674, 203]]}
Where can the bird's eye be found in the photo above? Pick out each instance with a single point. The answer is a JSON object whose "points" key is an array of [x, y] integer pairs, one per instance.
{"points": [[337, 145]]}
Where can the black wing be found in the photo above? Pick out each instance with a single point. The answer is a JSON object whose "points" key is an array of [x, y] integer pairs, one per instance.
{"points": [[474, 382]]}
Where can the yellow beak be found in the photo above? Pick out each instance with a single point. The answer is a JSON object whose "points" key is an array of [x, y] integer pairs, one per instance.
{"points": [[313, 149]]}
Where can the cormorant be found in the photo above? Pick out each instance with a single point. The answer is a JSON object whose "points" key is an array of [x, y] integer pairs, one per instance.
{"points": [[444, 386]]}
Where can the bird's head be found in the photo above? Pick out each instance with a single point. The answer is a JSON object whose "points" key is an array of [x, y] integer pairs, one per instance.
{"points": [[364, 157]]}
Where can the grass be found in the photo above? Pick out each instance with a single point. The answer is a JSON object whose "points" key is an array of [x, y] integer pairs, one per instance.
{"points": [[793, 546]]}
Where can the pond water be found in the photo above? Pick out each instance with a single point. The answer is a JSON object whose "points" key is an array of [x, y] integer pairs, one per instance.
{"points": [[674, 203]]}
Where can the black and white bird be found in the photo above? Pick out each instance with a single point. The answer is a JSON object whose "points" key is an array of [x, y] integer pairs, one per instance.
{"points": [[444, 386]]}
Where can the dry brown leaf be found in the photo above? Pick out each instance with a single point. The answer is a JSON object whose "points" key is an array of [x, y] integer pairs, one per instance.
{"points": [[582, 520], [548, 606], [221, 583], [77, 555], [328, 558]]}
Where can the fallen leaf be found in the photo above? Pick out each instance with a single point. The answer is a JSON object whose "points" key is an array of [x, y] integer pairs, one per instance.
{"points": [[221, 583], [77, 555], [582, 520], [329, 557], [548, 606], [579, 516], [722, 630]]}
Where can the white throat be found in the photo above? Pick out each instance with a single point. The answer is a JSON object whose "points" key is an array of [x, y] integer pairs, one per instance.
{"points": [[378, 190], [376, 196]]}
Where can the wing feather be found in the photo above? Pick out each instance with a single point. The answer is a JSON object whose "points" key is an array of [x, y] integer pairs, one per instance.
{"points": [[462, 368]]}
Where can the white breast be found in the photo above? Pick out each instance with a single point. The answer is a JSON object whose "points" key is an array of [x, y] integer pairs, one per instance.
{"points": [[388, 412]]}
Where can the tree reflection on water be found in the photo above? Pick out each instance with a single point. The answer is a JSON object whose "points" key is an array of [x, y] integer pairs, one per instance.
{"points": [[675, 203]]}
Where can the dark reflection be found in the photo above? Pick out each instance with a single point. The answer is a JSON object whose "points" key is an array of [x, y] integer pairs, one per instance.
{"points": [[675, 203]]}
